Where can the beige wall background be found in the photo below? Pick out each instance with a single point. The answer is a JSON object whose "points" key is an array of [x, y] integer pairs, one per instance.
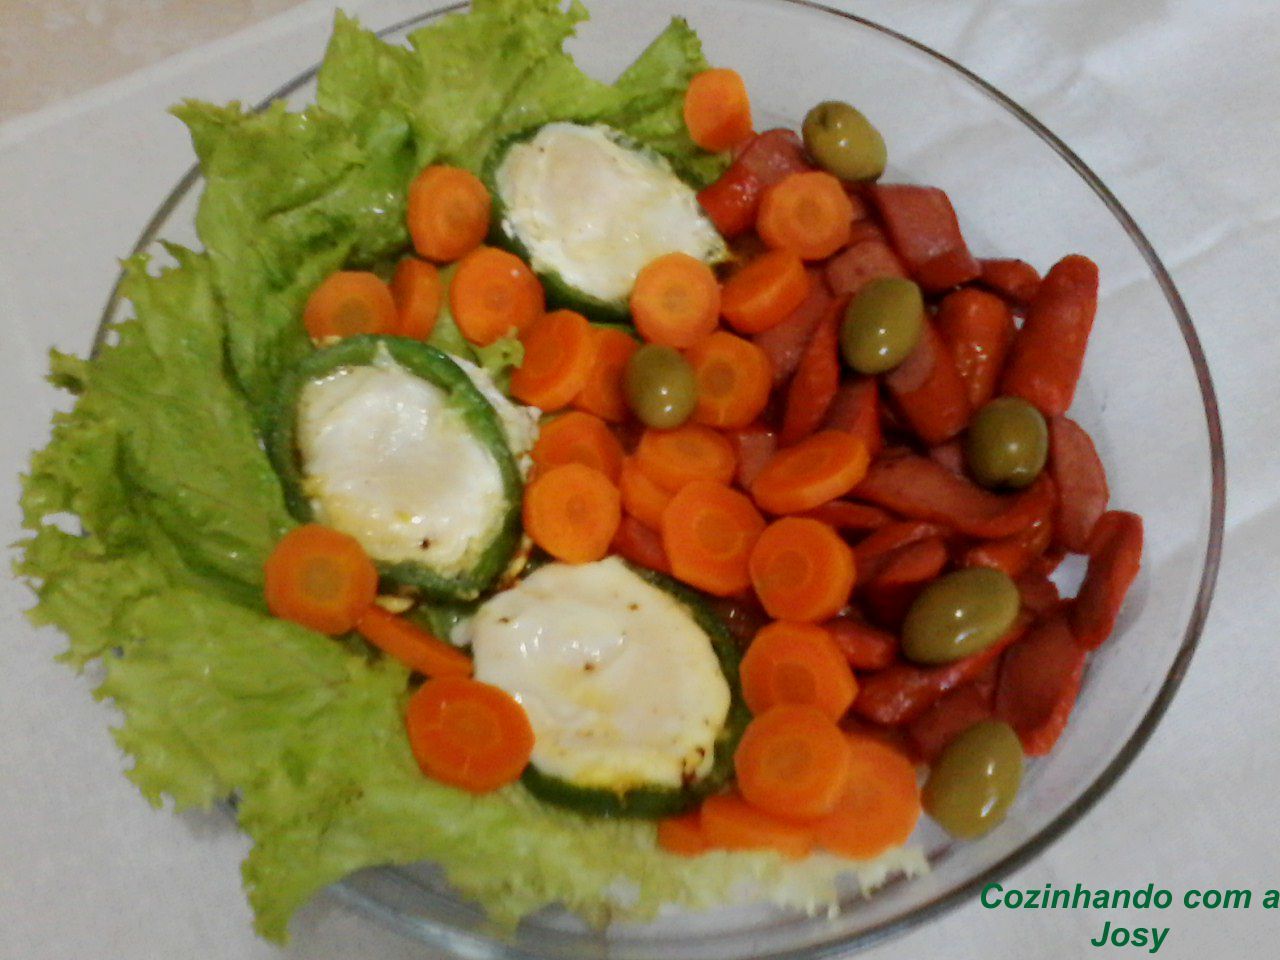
{"points": [[52, 49]]}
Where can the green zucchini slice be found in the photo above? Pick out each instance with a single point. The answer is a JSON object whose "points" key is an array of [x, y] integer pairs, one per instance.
{"points": [[587, 208], [392, 441], [629, 679]]}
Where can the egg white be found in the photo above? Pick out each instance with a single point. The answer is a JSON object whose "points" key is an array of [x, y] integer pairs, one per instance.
{"points": [[621, 685], [387, 459], [595, 212]]}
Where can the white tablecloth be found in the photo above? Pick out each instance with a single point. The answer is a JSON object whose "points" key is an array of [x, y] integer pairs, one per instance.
{"points": [[1172, 102]]}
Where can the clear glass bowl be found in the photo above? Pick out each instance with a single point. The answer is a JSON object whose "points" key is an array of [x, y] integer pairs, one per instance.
{"points": [[1019, 192]]}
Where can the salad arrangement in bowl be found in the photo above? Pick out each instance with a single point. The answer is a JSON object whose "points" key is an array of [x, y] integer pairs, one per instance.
{"points": [[571, 485]]}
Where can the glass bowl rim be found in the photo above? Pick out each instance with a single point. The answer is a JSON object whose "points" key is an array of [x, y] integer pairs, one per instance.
{"points": [[1085, 801]]}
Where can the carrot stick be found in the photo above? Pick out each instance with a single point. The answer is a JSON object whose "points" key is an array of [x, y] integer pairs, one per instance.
{"points": [[754, 446], [673, 458], [1115, 555], [1015, 280], [559, 351], [923, 227], [734, 380], [730, 823], [572, 512], [785, 343], [802, 570], [320, 578], [708, 531], [863, 646], [1081, 480], [855, 409], [952, 715], [732, 201], [717, 111], [577, 437], [347, 304], [683, 835], [1039, 679], [642, 498], [603, 393], [411, 645], [792, 762], [904, 574], [879, 806], [819, 468], [903, 691], [872, 552], [417, 292], [979, 329], [448, 213], [849, 517], [640, 545], [807, 213], [764, 292], [860, 263], [813, 388], [929, 390], [1048, 353], [796, 663], [675, 301], [916, 487], [468, 734], [494, 294]]}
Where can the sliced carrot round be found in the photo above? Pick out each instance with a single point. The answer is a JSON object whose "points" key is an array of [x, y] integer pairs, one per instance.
{"points": [[683, 835], [675, 301], [802, 570], [792, 762], [411, 645], [349, 303], [734, 380], [577, 437], [879, 806], [819, 468], [730, 823], [708, 530], [448, 213], [417, 292], [494, 293], [603, 394], [765, 292], [558, 352], [572, 512], [642, 498], [320, 578], [675, 457], [807, 213], [468, 734], [796, 663], [717, 110]]}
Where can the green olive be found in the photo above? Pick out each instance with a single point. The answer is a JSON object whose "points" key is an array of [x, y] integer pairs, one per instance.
{"points": [[882, 325], [660, 386], [843, 141], [974, 781], [959, 614], [1007, 443]]}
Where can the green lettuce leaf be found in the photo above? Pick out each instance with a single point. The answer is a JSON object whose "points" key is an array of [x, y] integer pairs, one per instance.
{"points": [[159, 463], [151, 511]]}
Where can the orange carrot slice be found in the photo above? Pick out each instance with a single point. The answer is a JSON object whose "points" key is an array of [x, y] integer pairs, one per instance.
{"points": [[708, 530], [349, 303], [572, 512], [468, 734], [320, 578]]}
